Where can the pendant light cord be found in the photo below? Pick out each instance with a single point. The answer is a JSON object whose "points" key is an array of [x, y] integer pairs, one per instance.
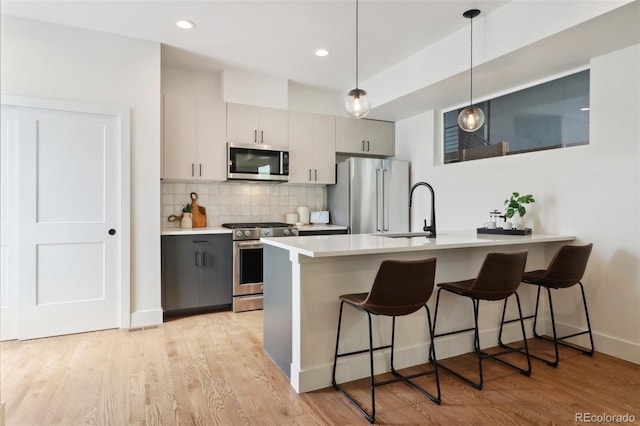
{"points": [[356, 44], [471, 68]]}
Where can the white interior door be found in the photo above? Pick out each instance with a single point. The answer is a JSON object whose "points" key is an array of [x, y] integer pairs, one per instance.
{"points": [[69, 222], [8, 257]]}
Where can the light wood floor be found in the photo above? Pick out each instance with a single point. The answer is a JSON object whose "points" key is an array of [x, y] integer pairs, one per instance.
{"points": [[210, 370]]}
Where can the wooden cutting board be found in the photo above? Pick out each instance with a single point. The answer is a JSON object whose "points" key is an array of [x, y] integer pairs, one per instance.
{"points": [[198, 213]]}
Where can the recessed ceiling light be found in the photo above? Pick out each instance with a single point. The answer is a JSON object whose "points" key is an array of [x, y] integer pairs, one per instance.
{"points": [[321, 52], [185, 24]]}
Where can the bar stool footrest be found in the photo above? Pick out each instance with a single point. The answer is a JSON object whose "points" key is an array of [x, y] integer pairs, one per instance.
{"points": [[526, 372], [399, 378]]}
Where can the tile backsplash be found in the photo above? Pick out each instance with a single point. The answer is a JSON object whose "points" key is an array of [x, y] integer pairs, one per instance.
{"points": [[240, 201]]}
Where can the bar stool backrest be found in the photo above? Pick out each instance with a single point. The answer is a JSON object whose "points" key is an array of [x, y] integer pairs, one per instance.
{"points": [[499, 276], [568, 266], [401, 287]]}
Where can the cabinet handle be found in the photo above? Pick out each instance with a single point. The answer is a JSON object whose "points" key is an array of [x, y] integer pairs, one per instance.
{"points": [[309, 174], [255, 136], [197, 258], [204, 258], [200, 165], [363, 145], [192, 169], [316, 172], [367, 146], [261, 136]]}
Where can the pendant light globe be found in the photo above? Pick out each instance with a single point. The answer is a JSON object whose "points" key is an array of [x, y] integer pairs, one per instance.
{"points": [[357, 104], [471, 118]]}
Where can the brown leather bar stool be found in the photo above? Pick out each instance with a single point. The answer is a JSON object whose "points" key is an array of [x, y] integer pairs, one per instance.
{"points": [[401, 287], [565, 270], [499, 278]]}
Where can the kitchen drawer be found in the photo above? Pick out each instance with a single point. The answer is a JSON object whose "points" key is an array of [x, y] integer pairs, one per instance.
{"points": [[185, 242]]}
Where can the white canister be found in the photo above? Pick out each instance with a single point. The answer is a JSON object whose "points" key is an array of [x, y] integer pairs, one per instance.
{"points": [[303, 214], [186, 221], [291, 218]]}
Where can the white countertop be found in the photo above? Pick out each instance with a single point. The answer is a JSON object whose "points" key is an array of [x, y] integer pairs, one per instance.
{"points": [[221, 230], [195, 231], [357, 244], [320, 227]]}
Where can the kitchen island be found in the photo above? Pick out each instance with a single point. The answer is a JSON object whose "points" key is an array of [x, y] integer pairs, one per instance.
{"points": [[304, 277]]}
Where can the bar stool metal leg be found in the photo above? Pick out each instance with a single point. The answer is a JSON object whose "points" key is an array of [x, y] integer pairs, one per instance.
{"points": [[555, 339], [398, 377], [400, 288], [481, 355]]}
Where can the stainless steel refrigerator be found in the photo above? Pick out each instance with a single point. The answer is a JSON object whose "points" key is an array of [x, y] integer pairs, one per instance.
{"points": [[370, 195]]}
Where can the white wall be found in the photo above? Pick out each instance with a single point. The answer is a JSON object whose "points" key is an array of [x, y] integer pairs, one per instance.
{"points": [[245, 87], [54, 62], [191, 83], [590, 191], [308, 99]]}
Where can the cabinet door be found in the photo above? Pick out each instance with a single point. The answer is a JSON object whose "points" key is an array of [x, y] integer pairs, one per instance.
{"points": [[216, 283], [300, 143], [179, 137], [181, 277], [324, 149], [273, 128], [350, 135], [242, 124], [379, 137], [211, 141]]}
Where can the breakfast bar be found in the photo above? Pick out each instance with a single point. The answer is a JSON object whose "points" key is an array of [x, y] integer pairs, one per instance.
{"points": [[304, 277]]}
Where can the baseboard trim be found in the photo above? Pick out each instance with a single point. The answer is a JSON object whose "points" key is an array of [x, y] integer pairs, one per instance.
{"points": [[148, 318], [603, 343]]}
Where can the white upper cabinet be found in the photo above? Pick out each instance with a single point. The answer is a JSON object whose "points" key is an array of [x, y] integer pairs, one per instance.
{"points": [[194, 145], [248, 124], [312, 154], [368, 137]]}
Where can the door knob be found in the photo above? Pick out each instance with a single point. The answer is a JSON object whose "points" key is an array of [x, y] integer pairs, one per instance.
{"points": [[112, 231]]}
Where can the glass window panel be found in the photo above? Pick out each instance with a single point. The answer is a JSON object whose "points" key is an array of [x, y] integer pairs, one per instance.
{"points": [[550, 115]]}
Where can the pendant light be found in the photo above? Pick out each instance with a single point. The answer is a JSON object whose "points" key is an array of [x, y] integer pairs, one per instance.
{"points": [[357, 104], [472, 117]]}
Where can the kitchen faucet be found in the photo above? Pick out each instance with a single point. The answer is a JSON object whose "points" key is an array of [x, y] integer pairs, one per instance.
{"points": [[431, 228]]}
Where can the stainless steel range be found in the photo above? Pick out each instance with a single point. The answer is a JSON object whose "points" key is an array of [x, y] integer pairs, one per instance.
{"points": [[247, 260]]}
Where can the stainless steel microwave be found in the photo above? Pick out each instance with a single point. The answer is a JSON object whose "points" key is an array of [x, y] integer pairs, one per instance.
{"points": [[257, 162]]}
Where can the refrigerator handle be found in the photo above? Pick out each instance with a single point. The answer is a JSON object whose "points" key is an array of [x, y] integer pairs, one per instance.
{"points": [[385, 200], [379, 225]]}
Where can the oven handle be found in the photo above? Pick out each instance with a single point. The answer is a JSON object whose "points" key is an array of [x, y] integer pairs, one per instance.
{"points": [[250, 245]]}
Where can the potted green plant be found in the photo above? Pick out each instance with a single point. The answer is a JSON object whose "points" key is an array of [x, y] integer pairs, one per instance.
{"points": [[515, 204], [186, 221]]}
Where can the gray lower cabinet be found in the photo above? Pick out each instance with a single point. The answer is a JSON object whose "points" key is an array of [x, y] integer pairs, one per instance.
{"points": [[196, 272]]}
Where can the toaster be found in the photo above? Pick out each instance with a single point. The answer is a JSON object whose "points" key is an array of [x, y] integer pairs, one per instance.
{"points": [[321, 216]]}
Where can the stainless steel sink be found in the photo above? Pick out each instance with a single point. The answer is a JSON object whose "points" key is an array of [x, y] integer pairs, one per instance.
{"points": [[404, 235]]}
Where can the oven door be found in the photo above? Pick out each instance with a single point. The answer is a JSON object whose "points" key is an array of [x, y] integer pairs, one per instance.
{"points": [[247, 267]]}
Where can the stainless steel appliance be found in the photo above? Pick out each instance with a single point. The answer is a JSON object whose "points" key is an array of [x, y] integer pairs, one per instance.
{"points": [[257, 162], [370, 195], [247, 260]]}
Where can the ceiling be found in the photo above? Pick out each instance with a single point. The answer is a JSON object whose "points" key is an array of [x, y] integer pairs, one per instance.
{"points": [[278, 38], [273, 37]]}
